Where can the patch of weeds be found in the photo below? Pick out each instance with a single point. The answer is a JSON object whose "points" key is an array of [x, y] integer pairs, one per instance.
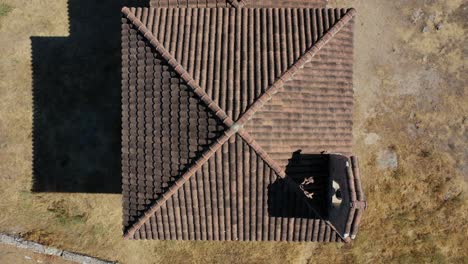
{"points": [[39, 236], [372, 161], [65, 215], [418, 257], [425, 153], [454, 202], [435, 256], [5, 9], [398, 173]]}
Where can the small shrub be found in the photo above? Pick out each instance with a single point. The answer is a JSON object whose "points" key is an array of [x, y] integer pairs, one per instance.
{"points": [[39, 236]]}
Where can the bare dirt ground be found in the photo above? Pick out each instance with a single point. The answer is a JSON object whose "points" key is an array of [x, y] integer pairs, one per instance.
{"points": [[410, 133]]}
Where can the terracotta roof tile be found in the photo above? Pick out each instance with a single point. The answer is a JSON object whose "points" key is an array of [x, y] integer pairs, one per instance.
{"points": [[323, 90], [166, 127], [191, 79], [233, 205], [239, 3]]}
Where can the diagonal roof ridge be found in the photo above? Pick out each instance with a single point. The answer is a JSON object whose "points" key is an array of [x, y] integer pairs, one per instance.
{"points": [[184, 75], [289, 73], [286, 76], [237, 3], [197, 165], [178, 68], [297, 189], [261, 153], [204, 97], [179, 182], [220, 113]]}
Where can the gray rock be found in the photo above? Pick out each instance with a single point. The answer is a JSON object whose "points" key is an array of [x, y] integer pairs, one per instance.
{"points": [[371, 138], [82, 258], [31, 245], [387, 159], [425, 29], [412, 130], [9, 240], [439, 26], [36, 247], [53, 251]]}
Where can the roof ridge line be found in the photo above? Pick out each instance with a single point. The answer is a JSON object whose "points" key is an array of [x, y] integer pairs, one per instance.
{"points": [[240, 3], [234, 3], [356, 196], [359, 204], [357, 179], [178, 68], [265, 157], [237, 3], [184, 75], [179, 182], [220, 113], [262, 153], [297, 189], [289, 73]]}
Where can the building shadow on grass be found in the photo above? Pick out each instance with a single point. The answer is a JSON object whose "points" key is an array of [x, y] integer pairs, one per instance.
{"points": [[76, 101]]}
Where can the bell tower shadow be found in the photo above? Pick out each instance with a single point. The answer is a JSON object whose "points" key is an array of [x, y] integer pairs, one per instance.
{"points": [[303, 193]]}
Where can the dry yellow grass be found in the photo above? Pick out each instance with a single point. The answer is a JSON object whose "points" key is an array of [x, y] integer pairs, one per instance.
{"points": [[411, 95]]}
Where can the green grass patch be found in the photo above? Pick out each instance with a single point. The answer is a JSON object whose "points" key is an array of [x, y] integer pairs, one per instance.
{"points": [[5, 9], [66, 214]]}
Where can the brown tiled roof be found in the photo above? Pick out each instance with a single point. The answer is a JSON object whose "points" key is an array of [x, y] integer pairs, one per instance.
{"points": [[213, 102], [239, 3]]}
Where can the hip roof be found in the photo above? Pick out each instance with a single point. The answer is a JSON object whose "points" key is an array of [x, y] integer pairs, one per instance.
{"points": [[214, 103]]}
